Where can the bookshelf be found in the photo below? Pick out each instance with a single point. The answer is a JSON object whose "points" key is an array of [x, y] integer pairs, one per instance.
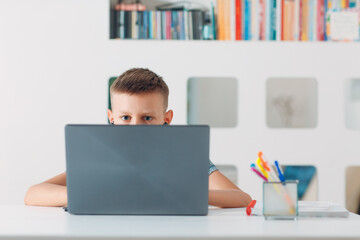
{"points": [[249, 20]]}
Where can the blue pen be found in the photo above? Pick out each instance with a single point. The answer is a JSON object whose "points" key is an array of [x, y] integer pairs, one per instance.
{"points": [[281, 176]]}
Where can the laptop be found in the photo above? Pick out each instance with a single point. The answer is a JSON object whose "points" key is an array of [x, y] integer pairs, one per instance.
{"points": [[137, 170]]}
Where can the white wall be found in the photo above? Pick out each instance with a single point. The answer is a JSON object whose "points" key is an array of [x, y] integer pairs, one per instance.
{"points": [[56, 58]]}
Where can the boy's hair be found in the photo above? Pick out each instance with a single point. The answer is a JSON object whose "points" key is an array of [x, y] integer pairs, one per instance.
{"points": [[140, 80]]}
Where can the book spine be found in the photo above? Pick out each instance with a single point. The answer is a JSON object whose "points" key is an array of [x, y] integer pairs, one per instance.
{"points": [[254, 20], [191, 30], [174, 25], [238, 19], [207, 29], [114, 24], [232, 14], [243, 19], [186, 24], [150, 27], [163, 25], [262, 20], [133, 25], [247, 21], [127, 25], [292, 20], [154, 25], [305, 19], [300, 19], [227, 20], [181, 25], [198, 24], [311, 21], [282, 17], [268, 19], [324, 19], [273, 21], [140, 24], [320, 21], [201, 24], [327, 21], [194, 25], [119, 21], [121, 24], [213, 21], [146, 24], [315, 25], [168, 25], [289, 18], [158, 25], [220, 19], [178, 25], [278, 19], [296, 20]]}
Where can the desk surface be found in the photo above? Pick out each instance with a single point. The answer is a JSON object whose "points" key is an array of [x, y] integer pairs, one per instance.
{"points": [[19, 222]]}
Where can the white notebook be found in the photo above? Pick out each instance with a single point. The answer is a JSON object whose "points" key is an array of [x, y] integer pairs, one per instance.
{"points": [[321, 209], [313, 209]]}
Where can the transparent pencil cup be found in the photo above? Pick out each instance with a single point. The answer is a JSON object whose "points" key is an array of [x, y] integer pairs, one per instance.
{"points": [[280, 200]]}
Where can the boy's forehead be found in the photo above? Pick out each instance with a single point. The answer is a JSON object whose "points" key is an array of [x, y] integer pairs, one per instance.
{"points": [[147, 102]]}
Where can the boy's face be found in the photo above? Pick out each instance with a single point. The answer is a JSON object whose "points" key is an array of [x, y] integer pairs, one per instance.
{"points": [[144, 108]]}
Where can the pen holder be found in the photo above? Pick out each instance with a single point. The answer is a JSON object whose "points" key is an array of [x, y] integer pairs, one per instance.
{"points": [[280, 200]]}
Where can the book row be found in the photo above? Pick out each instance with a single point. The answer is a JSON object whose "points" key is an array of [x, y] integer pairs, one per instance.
{"points": [[266, 20], [292, 20], [165, 24]]}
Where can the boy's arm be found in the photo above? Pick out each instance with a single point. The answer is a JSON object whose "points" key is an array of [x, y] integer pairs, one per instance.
{"points": [[224, 193], [51, 193]]}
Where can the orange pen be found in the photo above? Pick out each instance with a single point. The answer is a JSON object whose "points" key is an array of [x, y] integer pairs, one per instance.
{"points": [[265, 164]]}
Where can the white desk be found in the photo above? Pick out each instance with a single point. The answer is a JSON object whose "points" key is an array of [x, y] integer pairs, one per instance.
{"points": [[20, 222]]}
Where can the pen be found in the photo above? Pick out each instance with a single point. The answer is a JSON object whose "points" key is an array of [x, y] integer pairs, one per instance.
{"points": [[265, 164], [258, 163], [281, 176], [258, 173]]}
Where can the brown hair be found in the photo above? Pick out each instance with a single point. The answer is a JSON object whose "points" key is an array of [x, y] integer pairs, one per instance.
{"points": [[140, 80]]}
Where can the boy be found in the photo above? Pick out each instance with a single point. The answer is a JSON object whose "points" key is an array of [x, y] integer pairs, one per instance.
{"points": [[139, 96]]}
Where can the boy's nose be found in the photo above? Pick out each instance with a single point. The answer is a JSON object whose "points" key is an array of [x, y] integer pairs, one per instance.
{"points": [[136, 121]]}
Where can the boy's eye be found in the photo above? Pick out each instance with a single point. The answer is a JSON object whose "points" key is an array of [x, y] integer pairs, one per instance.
{"points": [[125, 118], [148, 118]]}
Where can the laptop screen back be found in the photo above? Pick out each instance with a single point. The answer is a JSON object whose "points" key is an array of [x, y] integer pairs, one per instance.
{"points": [[137, 169]]}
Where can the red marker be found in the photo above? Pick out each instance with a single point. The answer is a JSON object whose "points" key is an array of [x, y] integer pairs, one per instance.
{"points": [[250, 206]]}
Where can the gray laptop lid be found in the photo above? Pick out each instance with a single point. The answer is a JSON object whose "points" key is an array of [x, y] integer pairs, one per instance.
{"points": [[137, 169]]}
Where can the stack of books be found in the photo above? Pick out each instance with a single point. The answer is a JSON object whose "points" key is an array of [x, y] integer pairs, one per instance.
{"points": [[134, 21], [293, 20]]}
